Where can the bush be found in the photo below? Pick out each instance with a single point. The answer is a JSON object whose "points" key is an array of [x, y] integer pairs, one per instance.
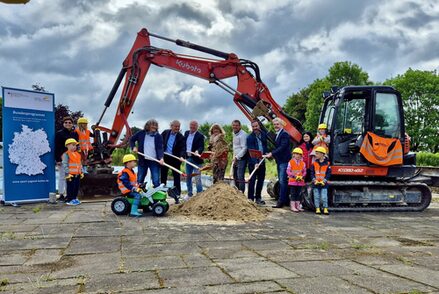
{"points": [[118, 154], [427, 159]]}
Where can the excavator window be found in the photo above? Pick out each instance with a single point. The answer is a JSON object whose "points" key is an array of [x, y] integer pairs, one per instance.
{"points": [[387, 120], [350, 118]]}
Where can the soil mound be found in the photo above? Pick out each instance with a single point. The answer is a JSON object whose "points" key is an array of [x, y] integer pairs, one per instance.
{"points": [[220, 202]]}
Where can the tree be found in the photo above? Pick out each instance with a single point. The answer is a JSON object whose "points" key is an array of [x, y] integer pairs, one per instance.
{"points": [[340, 74], [296, 104], [62, 111], [420, 93]]}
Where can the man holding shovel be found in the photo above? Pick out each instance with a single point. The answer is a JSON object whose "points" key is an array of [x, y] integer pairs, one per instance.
{"points": [[174, 146], [194, 147], [257, 145]]}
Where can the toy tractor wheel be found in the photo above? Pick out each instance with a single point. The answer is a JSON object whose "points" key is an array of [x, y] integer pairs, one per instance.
{"points": [[120, 206], [167, 206], [159, 209]]}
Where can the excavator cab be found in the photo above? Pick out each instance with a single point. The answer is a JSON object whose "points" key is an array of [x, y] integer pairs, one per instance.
{"points": [[352, 112]]}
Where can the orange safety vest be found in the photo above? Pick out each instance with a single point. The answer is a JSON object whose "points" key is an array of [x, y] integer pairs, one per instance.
{"points": [[132, 178], [381, 151], [320, 170], [75, 167], [296, 169], [84, 140], [321, 144]]}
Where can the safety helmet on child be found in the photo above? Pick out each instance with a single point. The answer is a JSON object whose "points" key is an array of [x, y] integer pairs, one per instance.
{"points": [[128, 157], [71, 141], [321, 149], [322, 127], [82, 120], [298, 151]]}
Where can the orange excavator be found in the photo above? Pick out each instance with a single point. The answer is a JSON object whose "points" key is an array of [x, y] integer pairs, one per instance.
{"points": [[369, 151]]}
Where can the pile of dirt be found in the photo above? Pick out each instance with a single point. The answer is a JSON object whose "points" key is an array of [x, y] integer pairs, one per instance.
{"points": [[220, 202]]}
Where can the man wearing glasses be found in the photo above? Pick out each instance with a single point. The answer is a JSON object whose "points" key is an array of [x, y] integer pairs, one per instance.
{"points": [[67, 132]]}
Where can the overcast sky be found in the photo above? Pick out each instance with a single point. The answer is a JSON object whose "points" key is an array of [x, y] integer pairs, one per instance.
{"points": [[75, 48]]}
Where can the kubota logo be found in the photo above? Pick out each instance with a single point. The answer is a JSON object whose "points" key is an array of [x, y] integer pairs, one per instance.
{"points": [[351, 170], [188, 66]]}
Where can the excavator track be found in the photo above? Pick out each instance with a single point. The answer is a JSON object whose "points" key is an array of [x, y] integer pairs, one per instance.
{"points": [[379, 196], [370, 196]]}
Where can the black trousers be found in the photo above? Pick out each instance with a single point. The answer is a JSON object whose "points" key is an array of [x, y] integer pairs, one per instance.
{"points": [[295, 193], [164, 172], [72, 188], [258, 179]]}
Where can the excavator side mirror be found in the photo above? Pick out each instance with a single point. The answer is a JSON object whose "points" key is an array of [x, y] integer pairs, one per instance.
{"points": [[326, 94]]}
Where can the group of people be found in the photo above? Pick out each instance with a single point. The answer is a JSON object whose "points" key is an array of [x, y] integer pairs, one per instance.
{"points": [[308, 163]]}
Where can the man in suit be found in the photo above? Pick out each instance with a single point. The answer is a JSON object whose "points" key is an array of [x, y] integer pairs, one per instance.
{"points": [[257, 140], [194, 143], [282, 155], [173, 143]]}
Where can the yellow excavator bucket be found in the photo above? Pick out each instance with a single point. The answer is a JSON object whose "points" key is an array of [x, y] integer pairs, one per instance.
{"points": [[15, 1]]}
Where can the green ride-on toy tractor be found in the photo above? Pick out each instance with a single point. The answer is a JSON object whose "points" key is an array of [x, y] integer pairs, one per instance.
{"points": [[159, 206]]}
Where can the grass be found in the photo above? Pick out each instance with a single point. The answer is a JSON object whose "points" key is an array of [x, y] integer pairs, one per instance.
{"points": [[318, 246], [4, 282], [404, 260], [359, 246], [427, 159], [7, 235], [37, 209]]}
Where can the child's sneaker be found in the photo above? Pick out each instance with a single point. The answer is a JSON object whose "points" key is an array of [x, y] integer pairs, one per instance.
{"points": [[325, 211], [77, 202], [318, 211], [71, 202]]}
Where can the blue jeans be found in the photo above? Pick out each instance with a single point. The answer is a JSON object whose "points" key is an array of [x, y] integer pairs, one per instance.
{"points": [[190, 170], [283, 183], [239, 174], [154, 168], [259, 176], [321, 193], [72, 188]]}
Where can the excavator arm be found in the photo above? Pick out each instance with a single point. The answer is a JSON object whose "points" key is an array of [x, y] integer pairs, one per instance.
{"points": [[251, 95]]}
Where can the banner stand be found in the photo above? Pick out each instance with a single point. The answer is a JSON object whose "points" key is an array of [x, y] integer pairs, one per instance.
{"points": [[28, 146]]}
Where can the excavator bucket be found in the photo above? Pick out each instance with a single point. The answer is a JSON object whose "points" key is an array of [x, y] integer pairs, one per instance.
{"points": [[15, 1]]}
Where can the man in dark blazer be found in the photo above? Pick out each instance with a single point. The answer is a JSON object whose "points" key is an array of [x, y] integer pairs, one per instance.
{"points": [[194, 143], [256, 140], [173, 143], [282, 155]]}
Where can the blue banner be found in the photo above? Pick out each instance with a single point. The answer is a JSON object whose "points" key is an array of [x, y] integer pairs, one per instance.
{"points": [[28, 145]]}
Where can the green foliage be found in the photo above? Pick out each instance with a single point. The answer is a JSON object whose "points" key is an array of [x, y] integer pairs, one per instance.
{"points": [[420, 93], [427, 159], [295, 105], [307, 103], [118, 154]]}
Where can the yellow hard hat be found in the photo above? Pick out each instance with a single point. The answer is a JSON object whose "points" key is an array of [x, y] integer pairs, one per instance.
{"points": [[321, 149], [322, 126], [82, 120], [71, 141], [298, 151], [128, 157]]}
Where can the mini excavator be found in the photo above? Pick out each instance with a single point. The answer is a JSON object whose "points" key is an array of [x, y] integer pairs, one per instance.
{"points": [[372, 167]]}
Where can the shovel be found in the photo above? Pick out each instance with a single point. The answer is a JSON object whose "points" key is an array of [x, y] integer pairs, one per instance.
{"points": [[186, 161], [232, 182], [165, 164]]}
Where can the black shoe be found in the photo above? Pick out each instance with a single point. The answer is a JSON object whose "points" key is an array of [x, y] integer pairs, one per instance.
{"points": [[278, 205], [260, 202], [62, 198]]}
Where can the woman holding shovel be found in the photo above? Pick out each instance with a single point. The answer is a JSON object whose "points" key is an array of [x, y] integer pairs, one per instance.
{"points": [[220, 149], [150, 147]]}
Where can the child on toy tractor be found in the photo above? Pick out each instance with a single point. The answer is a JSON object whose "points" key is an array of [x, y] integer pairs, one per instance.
{"points": [[134, 195]]}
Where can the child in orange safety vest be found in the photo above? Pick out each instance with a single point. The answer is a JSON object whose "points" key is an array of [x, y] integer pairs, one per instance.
{"points": [[84, 140], [127, 183], [322, 139], [296, 172], [320, 174], [71, 162]]}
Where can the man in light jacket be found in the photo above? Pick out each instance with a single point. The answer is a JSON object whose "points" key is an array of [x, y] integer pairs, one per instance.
{"points": [[239, 155]]}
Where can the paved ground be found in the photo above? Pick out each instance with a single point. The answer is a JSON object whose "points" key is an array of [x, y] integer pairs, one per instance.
{"points": [[59, 249]]}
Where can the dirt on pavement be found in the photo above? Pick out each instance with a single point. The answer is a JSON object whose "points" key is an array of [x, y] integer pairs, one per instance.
{"points": [[220, 202]]}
